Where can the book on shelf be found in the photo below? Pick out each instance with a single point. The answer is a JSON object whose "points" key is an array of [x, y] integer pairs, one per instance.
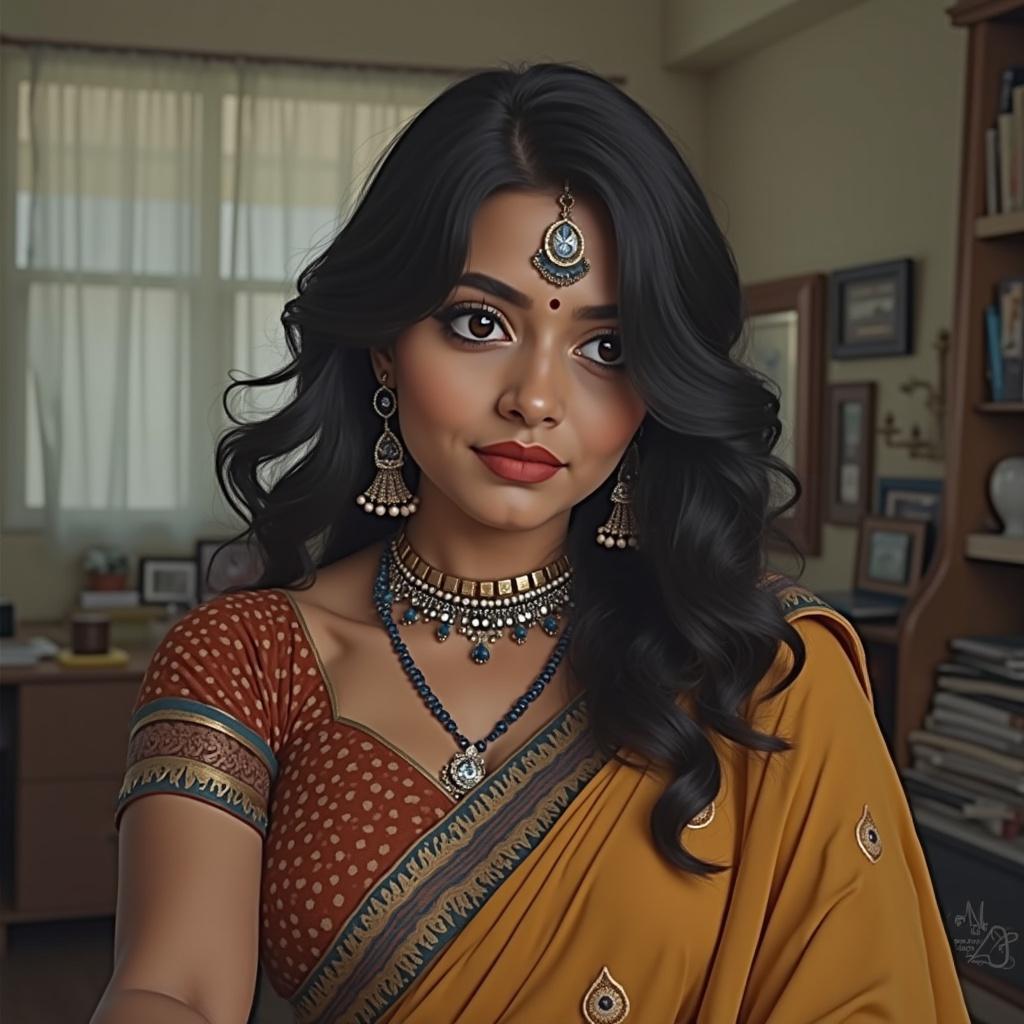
{"points": [[1004, 341], [997, 737], [1001, 688], [946, 796], [1004, 146], [968, 832], [963, 764], [1006, 648], [956, 667], [995, 821], [983, 708], [968, 748], [959, 782], [993, 668]]}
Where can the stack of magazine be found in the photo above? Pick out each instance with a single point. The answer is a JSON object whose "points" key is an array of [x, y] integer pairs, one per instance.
{"points": [[967, 772]]}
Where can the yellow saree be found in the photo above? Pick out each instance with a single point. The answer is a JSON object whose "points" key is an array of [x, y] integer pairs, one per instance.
{"points": [[541, 899]]}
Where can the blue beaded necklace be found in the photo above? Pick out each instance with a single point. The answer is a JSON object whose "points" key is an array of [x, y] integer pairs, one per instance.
{"points": [[466, 769]]}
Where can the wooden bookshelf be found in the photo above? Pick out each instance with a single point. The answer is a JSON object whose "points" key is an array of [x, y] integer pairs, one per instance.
{"points": [[975, 583], [961, 594], [1000, 225], [1000, 408], [994, 547]]}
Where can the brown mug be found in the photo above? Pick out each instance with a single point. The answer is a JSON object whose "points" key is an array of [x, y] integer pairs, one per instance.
{"points": [[90, 633]]}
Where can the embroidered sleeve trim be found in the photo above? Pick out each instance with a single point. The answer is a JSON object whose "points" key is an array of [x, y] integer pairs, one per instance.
{"points": [[184, 746], [192, 778], [184, 710]]}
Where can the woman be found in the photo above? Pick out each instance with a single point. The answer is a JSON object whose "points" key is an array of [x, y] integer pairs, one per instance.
{"points": [[667, 799]]}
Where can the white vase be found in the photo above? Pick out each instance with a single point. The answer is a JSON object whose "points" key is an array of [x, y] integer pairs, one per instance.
{"points": [[1006, 489]]}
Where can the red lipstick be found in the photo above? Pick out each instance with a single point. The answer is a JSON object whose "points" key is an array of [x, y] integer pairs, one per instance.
{"points": [[520, 463]]}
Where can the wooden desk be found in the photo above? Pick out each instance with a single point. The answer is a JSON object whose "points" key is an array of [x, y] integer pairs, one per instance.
{"points": [[63, 747]]}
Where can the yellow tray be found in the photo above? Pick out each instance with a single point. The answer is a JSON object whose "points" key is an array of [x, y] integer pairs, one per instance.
{"points": [[109, 659]]}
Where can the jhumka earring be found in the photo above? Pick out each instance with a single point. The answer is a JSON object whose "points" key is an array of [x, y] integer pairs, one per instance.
{"points": [[388, 492], [560, 258], [620, 529]]}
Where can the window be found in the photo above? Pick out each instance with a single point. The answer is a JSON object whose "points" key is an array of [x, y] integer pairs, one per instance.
{"points": [[158, 211]]}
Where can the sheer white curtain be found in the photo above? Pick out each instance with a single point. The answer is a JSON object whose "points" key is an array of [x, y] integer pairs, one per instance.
{"points": [[163, 208]]}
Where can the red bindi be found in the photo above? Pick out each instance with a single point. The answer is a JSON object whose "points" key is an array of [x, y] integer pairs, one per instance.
{"points": [[554, 303]]}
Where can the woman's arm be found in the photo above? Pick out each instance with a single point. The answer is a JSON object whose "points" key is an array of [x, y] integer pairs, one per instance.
{"points": [[187, 925]]}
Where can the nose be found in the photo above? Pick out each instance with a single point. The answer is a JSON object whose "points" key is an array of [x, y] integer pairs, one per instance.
{"points": [[535, 389]]}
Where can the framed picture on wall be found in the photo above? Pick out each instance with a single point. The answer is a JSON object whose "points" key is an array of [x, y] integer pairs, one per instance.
{"points": [[870, 310], [235, 564], [890, 555], [849, 455], [784, 334]]}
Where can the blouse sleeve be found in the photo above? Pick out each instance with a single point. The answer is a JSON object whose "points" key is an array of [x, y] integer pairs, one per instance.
{"points": [[850, 929], [211, 710]]}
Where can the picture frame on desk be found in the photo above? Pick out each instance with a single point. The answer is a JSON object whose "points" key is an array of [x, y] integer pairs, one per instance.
{"points": [[913, 498], [890, 555], [166, 581], [870, 310], [849, 456]]}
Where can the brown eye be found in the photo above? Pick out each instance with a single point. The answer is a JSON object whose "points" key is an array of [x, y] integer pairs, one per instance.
{"points": [[608, 351], [480, 325], [472, 323]]}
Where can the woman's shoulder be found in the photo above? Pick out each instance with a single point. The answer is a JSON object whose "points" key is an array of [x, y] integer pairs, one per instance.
{"points": [[833, 681], [336, 609]]}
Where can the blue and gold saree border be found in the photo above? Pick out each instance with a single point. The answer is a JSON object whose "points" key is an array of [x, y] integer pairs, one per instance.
{"points": [[176, 745], [415, 911], [797, 601], [794, 597]]}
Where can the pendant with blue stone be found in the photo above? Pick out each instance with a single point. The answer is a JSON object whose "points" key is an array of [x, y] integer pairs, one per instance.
{"points": [[560, 258], [463, 772]]}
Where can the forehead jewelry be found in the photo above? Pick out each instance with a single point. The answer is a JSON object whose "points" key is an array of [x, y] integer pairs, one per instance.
{"points": [[560, 258], [481, 610]]}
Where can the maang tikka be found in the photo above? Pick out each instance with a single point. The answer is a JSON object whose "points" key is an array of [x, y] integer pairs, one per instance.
{"points": [[620, 528], [560, 258], [388, 492]]}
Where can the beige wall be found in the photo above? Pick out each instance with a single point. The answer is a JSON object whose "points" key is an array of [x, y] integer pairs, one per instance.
{"points": [[610, 36], [614, 38], [841, 146], [835, 146]]}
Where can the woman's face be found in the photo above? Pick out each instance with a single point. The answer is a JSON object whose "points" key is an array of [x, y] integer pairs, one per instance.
{"points": [[511, 357]]}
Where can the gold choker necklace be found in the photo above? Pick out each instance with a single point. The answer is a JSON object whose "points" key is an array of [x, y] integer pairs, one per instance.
{"points": [[481, 610]]}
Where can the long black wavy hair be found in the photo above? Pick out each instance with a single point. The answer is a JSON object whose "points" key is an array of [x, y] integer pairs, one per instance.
{"points": [[686, 612]]}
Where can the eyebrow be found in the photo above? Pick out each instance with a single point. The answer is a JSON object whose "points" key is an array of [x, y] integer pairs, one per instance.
{"points": [[518, 298]]}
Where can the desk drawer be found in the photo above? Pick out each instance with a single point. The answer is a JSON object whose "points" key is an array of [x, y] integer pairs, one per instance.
{"points": [[74, 730], [65, 846]]}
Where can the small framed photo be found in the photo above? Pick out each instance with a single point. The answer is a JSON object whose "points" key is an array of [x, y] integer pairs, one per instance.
{"points": [[850, 454], [167, 581], [870, 310], [911, 498], [890, 555], [236, 563]]}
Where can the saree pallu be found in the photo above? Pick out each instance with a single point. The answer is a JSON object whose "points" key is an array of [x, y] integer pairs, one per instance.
{"points": [[542, 899]]}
